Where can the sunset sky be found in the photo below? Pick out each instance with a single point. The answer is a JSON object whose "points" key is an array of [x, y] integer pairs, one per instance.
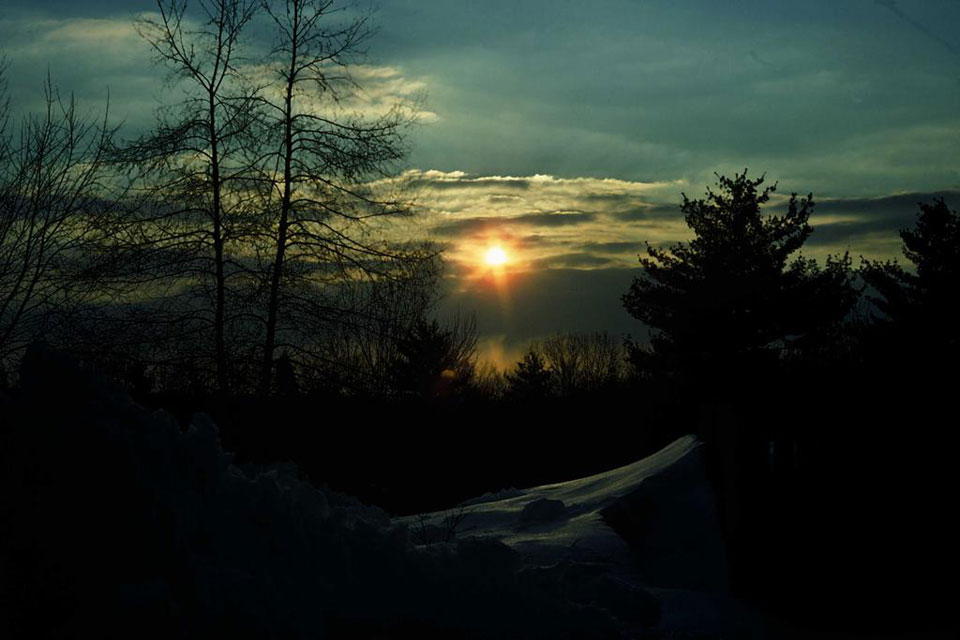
{"points": [[564, 132]]}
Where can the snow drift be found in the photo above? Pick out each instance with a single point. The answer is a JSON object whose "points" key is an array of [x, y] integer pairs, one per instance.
{"points": [[641, 540], [653, 520]]}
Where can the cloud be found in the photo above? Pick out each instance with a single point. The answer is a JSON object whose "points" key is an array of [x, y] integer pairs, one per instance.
{"points": [[860, 223], [647, 212], [541, 303], [88, 58], [889, 207], [573, 261], [642, 91], [442, 192], [374, 92], [554, 218], [543, 220], [587, 223], [445, 181], [893, 7], [98, 54], [615, 247]]}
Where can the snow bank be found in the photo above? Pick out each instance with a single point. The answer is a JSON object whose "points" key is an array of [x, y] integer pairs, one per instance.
{"points": [[653, 520], [642, 541]]}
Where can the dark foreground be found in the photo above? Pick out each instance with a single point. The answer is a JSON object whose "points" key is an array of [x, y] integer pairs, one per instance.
{"points": [[117, 521]]}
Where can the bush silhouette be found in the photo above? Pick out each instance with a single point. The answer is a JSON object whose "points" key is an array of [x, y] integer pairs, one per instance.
{"points": [[531, 379]]}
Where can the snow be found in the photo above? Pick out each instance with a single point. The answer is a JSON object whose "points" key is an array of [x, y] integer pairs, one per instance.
{"points": [[664, 496], [641, 541]]}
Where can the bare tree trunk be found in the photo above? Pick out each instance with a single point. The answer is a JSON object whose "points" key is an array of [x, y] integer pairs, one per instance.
{"points": [[194, 167], [276, 273], [220, 356], [319, 232]]}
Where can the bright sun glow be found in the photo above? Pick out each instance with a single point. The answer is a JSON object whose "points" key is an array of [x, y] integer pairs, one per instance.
{"points": [[495, 256]]}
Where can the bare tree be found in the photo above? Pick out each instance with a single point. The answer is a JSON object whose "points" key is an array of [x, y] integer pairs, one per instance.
{"points": [[356, 342], [322, 157], [584, 361], [257, 226], [54, 204], [193, 172]]}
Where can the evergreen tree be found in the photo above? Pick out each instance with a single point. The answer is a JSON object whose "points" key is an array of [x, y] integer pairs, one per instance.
{"points": [[732, 295], [531, 380], [434, 361], [922, 304], [285, 377]]}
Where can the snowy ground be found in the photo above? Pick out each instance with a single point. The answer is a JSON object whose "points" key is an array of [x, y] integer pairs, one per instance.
{"points": [[647, 530]]}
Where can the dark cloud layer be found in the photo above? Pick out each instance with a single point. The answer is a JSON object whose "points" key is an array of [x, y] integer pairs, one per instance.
{"points": [[572, 261], [614, 247], [861, 218], [542, 220], [647, 212], [885, 206], [860, 97], [540, 303]]}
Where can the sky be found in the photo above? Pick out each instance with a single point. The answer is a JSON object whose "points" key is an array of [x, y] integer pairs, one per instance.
{"points": [[566, 131]]}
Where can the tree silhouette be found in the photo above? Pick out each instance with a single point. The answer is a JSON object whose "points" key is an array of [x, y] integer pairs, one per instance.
{"points": [[318, 158], [355, 344], [194, 177], [922, 304], [54, 211], [531, 379], [731, 294], [258, 232], [434, 361], [285, 382], [584, 362]]}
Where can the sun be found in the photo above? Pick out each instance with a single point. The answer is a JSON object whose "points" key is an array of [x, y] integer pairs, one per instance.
{"points": [[495, 256]]}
